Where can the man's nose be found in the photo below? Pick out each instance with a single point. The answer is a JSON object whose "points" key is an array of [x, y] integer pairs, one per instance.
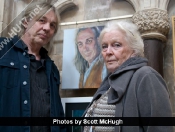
{"points": [[46, 26], [85, 46]]}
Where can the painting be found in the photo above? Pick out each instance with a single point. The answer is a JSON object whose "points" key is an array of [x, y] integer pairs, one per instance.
{"points": [[75, 107], [83, 66]]}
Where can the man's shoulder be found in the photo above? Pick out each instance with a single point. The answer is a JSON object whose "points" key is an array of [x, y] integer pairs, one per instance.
{"points": [[7, 44]]}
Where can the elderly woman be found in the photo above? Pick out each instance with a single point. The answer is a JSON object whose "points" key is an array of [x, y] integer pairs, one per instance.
{"points": [[132, 89]]}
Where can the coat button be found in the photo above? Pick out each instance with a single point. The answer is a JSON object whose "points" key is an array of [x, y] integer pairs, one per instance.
{"points": [[25, 102], [12, 64], [24, 83], [25, 66], [24, 53]]}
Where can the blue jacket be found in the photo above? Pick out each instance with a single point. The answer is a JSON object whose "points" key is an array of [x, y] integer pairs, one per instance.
{"points": [[15, 85]]}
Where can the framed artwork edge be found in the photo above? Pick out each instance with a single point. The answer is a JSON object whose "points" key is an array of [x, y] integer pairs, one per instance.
{"points": [[173, 37], [73, 107], [75, 100]]}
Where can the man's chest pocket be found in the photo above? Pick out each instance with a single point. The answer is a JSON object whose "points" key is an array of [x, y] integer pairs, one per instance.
{"points": [[9, 71]]}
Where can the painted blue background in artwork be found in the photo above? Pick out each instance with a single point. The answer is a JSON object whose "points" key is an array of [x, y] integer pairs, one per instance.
{"points": [[70, 75]]}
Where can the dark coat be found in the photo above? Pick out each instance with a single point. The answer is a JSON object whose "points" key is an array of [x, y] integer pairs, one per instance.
{"points": [[15, 85], [137, 90]]}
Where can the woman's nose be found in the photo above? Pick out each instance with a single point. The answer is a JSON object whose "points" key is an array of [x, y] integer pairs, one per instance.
{"points": [[109, 50]]}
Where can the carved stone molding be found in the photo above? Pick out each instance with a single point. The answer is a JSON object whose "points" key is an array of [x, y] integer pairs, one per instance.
{"points": [[64, 4], [152, 23], [140, 5]]}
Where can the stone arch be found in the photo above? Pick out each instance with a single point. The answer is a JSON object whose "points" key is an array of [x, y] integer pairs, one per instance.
{"points": [[152, 18], [63, 5]]}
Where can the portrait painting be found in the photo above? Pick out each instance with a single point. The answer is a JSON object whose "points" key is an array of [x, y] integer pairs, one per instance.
{"points": [[75, 107], [83, 65]]}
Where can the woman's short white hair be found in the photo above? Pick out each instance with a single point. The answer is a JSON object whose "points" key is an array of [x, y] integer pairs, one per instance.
{"points": [[130, 33]]}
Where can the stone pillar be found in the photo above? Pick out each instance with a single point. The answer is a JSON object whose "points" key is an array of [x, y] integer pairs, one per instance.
{"points": [[153, 22], [1, 15], [154, 27], [153, 50]]}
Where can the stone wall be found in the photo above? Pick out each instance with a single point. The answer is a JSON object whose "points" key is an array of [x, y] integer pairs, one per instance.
{"points": [[6, 19]]}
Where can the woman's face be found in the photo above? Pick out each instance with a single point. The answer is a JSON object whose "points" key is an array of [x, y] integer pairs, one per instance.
{"points": [[115, 49]]}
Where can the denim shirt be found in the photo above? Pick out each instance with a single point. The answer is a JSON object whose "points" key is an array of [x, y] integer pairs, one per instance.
{"points": [[15, 85]]}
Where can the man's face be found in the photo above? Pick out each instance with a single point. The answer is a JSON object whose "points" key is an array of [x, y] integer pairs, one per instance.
{"points": [[41, 31], [115, 49], [86, 44]]}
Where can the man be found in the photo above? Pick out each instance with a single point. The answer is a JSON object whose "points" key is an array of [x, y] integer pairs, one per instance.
{"points": [[88, 60], [29, 81]]}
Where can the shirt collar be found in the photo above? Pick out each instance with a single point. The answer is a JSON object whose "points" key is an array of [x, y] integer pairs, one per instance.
{"points": [[17, 42], [21, 45]]}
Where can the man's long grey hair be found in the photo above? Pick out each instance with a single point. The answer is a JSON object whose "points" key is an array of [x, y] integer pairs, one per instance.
{"points": [[80, 63]]}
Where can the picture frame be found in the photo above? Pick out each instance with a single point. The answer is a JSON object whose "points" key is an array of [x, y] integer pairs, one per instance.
{"points": [[75, 107], [76, 59], [173, 39]]}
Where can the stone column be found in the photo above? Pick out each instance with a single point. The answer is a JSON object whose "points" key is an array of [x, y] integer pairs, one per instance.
{"points": [[1, 15], [154, 27], [153, 22]]}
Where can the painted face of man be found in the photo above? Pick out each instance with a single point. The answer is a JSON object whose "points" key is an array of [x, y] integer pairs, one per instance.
{"points": [[115, 49], [42, 31], [87, 46]]}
